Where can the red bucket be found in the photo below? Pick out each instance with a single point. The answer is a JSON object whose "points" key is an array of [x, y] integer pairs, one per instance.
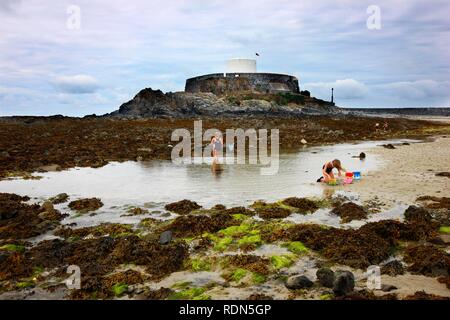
{"points": [[349, 174]]}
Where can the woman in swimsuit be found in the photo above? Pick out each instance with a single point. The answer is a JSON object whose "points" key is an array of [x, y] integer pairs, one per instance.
{"points": [[217, 144], [327, 170]]}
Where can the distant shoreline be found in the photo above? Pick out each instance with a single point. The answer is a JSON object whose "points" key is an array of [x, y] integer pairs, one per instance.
{"points": [[380, 112], [430, 111]]}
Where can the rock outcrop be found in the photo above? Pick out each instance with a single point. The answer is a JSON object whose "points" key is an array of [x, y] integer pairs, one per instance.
{"points": [[149, 103]]}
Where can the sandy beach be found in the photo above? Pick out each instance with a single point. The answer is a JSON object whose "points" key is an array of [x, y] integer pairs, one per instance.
{"points": [[409, 171]]}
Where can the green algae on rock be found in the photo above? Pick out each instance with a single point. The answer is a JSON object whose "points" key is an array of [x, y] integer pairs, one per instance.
{"points": [[280, 262]]}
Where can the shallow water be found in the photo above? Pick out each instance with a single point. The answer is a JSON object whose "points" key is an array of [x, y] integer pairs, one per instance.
{"points": [[155, 183]]}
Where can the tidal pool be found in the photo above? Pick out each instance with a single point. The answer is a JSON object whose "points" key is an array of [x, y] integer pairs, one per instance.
{"points": [[154, 183]]}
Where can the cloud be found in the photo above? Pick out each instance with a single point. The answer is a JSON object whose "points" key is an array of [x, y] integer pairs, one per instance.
{"points": [[421, 89], [78, 84], [347, 89], [404, 63]]}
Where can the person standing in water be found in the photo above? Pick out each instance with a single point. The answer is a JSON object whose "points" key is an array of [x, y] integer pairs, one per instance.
{"points": [[327, 170], [217, 144]]}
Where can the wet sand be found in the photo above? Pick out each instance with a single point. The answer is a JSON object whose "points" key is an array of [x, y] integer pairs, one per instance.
{"points": [[409, 172]]}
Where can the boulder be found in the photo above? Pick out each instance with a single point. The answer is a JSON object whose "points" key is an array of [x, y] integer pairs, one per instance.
{"points": [[344, 283], [165, 237], [388, 287], [298, 282], [325, 276]]}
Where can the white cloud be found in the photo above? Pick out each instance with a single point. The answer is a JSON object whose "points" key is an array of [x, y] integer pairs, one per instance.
{"points": [[421, 89], [347, 89], [77, 84]]}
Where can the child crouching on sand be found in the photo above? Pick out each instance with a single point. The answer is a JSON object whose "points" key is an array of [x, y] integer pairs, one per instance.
{"points": [[327, 170]]}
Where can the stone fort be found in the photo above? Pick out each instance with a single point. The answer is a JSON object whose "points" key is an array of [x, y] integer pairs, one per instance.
{"points": [[241, 75]]}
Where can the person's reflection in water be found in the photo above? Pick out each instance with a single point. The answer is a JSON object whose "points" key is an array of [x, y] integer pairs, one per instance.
{"points": [[216, 167], [328, 193]]}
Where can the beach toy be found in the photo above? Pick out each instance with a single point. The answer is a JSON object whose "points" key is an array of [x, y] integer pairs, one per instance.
{"points": [[332, 182], [348, 180], [357, 175], [349, 174]]}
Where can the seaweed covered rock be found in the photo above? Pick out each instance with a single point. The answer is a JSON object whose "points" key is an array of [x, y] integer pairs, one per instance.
{"points": [[270, 210], [417, 214], [422, 295], [253, 263], [104, 229], [365, 294], [393, 268], [219, 207], [13, 265], [100, 256], [239, 210], [20, 220], [349, 211], [428, 260], [355, 248], [48, 212], [435, 202], [10, 205], [193, 225], [303, 205], [393, 230], [86, 205], [183, 206], [445, 280], [116, 284], [273, 213], [158, 294], [259, 296], [59, 198]]}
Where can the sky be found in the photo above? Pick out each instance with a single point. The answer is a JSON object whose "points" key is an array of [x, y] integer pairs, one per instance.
{"points": [[80, 57]]}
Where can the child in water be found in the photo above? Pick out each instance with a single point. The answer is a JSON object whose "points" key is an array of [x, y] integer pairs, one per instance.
{"points": [[327, 170]]}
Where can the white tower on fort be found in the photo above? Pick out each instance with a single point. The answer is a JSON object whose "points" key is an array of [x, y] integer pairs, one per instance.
{"points": [[239, 65]]}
